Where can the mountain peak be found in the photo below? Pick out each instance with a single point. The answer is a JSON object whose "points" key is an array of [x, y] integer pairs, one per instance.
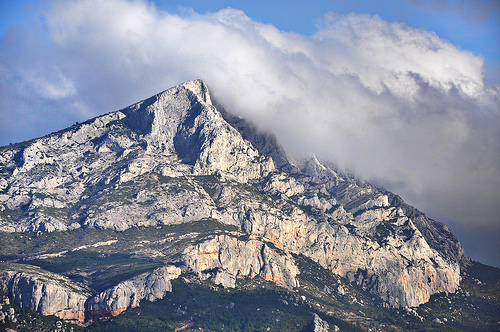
{"points": [[199, 88], [182, 121], [167, 108]]}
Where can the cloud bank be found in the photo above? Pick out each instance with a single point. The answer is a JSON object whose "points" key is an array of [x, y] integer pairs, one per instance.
{"points": [[395, 105]]}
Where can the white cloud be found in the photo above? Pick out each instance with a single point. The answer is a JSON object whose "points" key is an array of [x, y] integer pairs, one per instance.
{"points": [[386, 54], [390, 102]]}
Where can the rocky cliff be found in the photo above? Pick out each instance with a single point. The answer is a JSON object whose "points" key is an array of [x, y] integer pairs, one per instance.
{"points": [[174, 158], [127, 294], [226, 258], [52, 294], [42, 291]]}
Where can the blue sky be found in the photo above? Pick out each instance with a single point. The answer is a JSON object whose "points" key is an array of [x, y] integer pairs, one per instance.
{"points": [[470, 25], [405, 94]]}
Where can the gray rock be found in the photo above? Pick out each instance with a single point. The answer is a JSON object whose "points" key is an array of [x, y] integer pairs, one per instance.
{"points": [[127, 294], [48, 293], [320, 325], [225, 279], [230, 258], [437, 320], [52, 294]]}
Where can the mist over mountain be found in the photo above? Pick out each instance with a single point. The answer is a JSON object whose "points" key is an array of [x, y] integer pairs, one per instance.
{"points": [[176, 195], [397, 106]]}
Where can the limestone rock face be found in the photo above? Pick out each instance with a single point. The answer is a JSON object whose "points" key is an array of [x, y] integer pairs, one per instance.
{"points": [[184, 122], [128, 294], [227, 258], [52, 294], [366, 240], [320, 325], [175, 133], [42, 291], [175, 158]]}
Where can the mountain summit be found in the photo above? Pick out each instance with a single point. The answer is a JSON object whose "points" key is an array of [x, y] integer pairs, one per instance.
{"points": [[214, 200]]}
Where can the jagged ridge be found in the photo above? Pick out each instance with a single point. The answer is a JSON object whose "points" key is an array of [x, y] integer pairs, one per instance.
{"points": [[175, 158]]}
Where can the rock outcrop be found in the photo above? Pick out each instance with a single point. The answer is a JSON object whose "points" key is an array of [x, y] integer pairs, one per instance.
{"points": [[48, 293], [320, 325], [178, 132], [226, 258], [52, 294], [127, 294]]}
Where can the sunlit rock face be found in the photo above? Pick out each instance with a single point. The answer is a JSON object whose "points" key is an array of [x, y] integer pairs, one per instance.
{"points": [[51, 294], [127, 294], [231, 258], [175, 158], [48, 293]]}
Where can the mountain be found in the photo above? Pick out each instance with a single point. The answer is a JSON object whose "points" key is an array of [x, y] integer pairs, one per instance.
{"points": [[175, 191]]}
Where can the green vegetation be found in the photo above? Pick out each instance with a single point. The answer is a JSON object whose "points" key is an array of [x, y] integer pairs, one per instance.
{"points": [[23, 245], [196, 305], [99, 270]]}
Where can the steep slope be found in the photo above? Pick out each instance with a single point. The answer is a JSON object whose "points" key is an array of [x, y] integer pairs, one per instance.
{"points": [[174, 159], [351, 192], [45, 292], [177, 132]]}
